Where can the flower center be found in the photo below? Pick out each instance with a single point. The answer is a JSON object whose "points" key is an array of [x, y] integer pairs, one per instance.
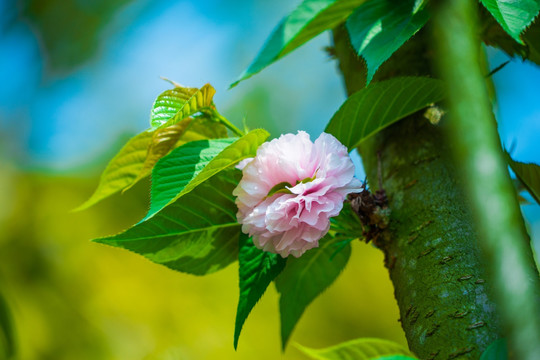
{"points": [[279, 188], [283, 187]]}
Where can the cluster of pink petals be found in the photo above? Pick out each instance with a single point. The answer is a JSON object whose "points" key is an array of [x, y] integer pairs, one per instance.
{"points": [[321, 174]]}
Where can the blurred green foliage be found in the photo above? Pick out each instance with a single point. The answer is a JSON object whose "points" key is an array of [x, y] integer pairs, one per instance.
{"points": [[69, 30], [73, 299], [7, 342], [257, 110]]}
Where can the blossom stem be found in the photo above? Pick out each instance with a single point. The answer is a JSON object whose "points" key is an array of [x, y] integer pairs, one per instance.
{"points": [[227, 123]]}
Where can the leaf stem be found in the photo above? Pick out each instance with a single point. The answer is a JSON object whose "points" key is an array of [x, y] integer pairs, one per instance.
{"points": [[227, 123]]}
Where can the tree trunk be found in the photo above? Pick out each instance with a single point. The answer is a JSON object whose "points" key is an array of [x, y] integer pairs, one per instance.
{"points": [[439, 276]]}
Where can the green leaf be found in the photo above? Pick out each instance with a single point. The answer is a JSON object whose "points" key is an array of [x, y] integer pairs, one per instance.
{"points": [[497, 350], [419, 5], [167, 138], [532, 39], [7, 341], [122, 170], [203, 127], [360, 349], [174, 105], [379, 27], [191, 164], [197, 233], [136, 159], [162, 142], [308, 20], [304, 278], [514, 16], [346, 225], [529, 175], [493, 34], [257, 270], [172, 126], [172, 173], [381, 104], [169, 102]]}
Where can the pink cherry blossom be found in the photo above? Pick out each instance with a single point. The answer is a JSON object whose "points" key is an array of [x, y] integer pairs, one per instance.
{"points": [[313, 180]]}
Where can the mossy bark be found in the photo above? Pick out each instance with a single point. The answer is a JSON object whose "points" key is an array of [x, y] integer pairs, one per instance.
{"points": [[445, 301]]}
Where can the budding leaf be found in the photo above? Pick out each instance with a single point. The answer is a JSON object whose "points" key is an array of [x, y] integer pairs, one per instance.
{"points": [[174, 105], [169, 103], [137, 158]]}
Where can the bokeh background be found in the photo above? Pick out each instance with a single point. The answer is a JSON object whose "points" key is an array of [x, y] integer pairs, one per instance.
{"points": [[77, 79]]}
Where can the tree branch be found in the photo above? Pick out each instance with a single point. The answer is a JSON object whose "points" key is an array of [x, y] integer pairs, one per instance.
{"points": [[438, 273], [477, 149]]}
